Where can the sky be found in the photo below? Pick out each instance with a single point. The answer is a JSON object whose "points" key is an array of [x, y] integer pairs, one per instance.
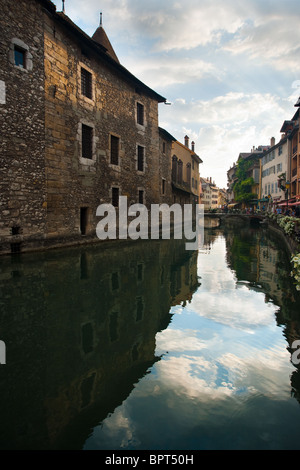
{"points": [[229, 69]]}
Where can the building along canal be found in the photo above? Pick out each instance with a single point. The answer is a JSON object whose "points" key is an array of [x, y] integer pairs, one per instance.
{"points": [[145, 345]]}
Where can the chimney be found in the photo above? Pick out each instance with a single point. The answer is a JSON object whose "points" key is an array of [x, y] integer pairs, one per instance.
{"points": [[186, 141], [193, 146], [272, 141]]}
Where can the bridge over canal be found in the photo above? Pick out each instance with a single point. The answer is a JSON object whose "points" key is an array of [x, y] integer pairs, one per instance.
{"points": [[215, 219]]}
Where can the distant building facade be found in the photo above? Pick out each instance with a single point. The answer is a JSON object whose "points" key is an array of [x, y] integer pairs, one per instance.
{"points": [[185, 173], [210, 194], [274, 166]]}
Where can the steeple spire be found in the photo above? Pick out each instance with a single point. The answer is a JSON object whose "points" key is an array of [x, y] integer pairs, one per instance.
{"points": [[101, 38]]}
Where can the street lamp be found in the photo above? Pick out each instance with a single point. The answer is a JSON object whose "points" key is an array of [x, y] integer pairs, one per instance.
{"points": [[287, 186]]}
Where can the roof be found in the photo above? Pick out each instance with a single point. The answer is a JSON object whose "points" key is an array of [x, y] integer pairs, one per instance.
{"points": [[287, 126], [166, 134], [281, 142], [48, 4], [101, 38], [101, 51], [193, 154]]}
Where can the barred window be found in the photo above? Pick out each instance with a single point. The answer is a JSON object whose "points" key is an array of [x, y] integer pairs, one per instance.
{"points": [[87, 141], [114, 150], [140, 163], [86, 83]]}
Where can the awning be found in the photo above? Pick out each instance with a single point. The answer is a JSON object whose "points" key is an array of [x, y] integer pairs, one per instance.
{"points": [[235, 204], [291, 202]]}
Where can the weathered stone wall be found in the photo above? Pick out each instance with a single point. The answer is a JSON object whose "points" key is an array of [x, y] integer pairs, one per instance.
{"points": [[74, 182], [22, 142]]}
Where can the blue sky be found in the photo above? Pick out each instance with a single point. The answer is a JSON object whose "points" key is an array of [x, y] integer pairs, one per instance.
{"points": [[231, 69]]}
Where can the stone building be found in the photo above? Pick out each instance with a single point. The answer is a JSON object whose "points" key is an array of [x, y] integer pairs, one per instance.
{"points": [[79, 129], [166, 141], [185, 173]]}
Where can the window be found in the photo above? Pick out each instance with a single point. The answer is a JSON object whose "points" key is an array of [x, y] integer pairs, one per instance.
{"points": [[86, 83], [163, 186], [164, 147], [87, 141], [83, 220], [114, 326], [140, 162], [141, 196], [140, 113], [115, 281], [114, 150], [20, 57], [139, 308], [16, 230], [115, 197]]}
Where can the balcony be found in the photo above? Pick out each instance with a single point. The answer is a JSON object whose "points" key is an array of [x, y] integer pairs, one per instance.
{"points": [[294, 172]]}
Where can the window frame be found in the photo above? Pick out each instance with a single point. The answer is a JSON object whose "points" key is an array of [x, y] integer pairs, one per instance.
{"points": [[17, 45]]}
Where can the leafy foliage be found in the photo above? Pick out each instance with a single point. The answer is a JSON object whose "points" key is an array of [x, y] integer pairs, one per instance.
{"points": [[243, 186]]}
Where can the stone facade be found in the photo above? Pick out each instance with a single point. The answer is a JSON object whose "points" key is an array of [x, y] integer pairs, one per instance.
{"points": [[79, 130], [22, 114]]}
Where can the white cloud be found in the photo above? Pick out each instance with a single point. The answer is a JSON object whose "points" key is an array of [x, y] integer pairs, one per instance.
{"points": [[227, 67]]}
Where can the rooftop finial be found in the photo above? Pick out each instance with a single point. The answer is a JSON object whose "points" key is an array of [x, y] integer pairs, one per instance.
{"points": [[100, 18], [63, 6]]}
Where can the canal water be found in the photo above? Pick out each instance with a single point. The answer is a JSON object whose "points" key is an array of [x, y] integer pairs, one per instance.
{"points": [[147, 346]]}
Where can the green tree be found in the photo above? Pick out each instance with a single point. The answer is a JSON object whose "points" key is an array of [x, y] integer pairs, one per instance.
{"points": [[243, 186]]}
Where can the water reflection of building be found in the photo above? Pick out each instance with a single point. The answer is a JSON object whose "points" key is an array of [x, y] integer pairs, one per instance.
{"points": [[79, 328], [259, 257]]}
